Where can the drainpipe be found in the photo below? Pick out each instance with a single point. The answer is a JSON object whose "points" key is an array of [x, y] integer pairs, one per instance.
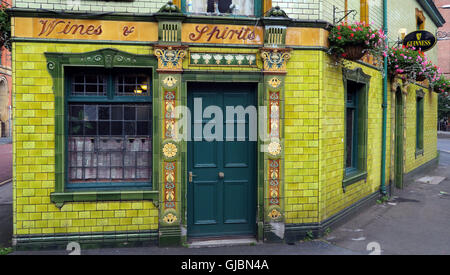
{"points": [[385, 105]]}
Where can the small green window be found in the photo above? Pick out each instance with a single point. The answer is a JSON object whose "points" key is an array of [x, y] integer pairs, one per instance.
{"points": [[419, 123], [356, 130]]}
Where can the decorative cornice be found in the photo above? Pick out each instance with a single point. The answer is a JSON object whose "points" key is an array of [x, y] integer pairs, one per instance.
{"points": [[275, 60], [153, 17], [420, 93], [356, 75], [170, 58]]}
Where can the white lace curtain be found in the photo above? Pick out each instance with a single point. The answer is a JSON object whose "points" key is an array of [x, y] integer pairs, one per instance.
{"points": [[243, 7]]}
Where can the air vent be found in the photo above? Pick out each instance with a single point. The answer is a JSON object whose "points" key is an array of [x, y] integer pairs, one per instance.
{"points": [[275, 35], [170, 32]]}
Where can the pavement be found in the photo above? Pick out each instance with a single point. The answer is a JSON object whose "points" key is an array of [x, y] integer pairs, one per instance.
{"points": [[6, 215], [5, 162], [416, 220], [444, 145]]}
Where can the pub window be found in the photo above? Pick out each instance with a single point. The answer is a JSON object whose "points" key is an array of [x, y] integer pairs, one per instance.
{"points": [[355, 132], [419, 124], [234, 7], [109, 124]]}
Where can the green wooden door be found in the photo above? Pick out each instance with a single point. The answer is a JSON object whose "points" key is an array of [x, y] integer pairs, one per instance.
{"points": [[221, 205], [398, 139]]}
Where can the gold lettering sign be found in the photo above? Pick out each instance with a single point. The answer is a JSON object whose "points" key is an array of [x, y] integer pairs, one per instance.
{"points": [[423, 40], [222, 34], [54, 28]]}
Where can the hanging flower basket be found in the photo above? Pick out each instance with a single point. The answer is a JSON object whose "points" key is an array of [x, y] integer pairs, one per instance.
{"points": [[353, 41], [354, 52]]}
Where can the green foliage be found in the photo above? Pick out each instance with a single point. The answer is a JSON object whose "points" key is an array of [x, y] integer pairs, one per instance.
{"points": [[5, 251], [407, 62], [383, 200], [5, 28], [442, 86], [443, 106], [411, 64], [309, 236]]}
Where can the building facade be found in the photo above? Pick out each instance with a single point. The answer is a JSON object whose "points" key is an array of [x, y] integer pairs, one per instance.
{"points": [[135, 120], [5, 89], [444, 38]]}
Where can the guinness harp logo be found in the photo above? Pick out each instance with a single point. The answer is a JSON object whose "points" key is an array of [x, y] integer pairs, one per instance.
{"points": [[421, 40]]}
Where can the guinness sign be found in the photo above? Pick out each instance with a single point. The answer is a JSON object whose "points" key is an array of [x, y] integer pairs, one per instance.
{"points": [[421, 40]]}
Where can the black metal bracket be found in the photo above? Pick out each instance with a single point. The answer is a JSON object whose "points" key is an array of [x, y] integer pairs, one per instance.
{"points": [[346, 14]]}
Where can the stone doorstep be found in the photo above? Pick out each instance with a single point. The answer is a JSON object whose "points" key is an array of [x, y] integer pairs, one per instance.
{"points": [[222, 243], [431, 180]]}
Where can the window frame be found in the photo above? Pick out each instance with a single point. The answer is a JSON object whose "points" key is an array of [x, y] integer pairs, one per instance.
{"points": [[104, 58], [357, 173], [109, 98], [420, 116], [260, 7], [354, 105]]}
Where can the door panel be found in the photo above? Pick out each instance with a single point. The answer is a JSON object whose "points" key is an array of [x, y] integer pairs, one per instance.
{"points": [[205, 198], [237, 193], [221, 206]]}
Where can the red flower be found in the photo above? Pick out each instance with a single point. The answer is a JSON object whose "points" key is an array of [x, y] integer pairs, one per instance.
{"points": [[352, 35], [339, 37]]}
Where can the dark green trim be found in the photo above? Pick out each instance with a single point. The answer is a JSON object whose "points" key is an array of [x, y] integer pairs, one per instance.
{"points": [[433, 12], [420, 98], [104, 58], [399, 138], [297, 232], [419, 153], [358, 76], [82, 196], [354, 178], [86, 240]]}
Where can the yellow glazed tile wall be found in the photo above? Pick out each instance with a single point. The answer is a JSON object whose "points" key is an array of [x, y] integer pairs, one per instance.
{"points": [[34, 150], [332, 196], [430, 132], [302, 137]]}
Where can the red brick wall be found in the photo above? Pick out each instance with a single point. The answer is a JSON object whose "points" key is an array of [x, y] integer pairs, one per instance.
{"points": [[444, 45]]}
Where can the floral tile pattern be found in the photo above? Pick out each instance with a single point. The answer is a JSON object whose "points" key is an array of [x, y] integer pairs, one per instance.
{"points": [[222, 59]]}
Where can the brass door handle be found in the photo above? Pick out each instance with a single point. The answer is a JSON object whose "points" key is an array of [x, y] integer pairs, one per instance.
{"points": [[191, 176], [221, 175]]}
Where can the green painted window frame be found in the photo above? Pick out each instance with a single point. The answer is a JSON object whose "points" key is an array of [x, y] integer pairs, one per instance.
{"points": [[105, 58], [419, 122], [354, 106], [358, 172], [108, 98], [258, 9]]}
